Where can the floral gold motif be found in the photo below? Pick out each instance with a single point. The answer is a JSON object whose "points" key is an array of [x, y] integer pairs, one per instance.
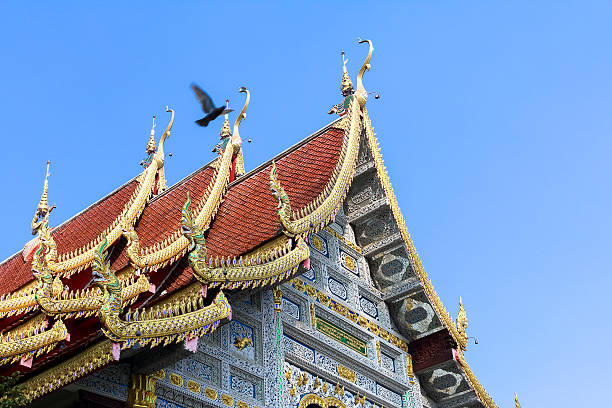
{"points": [[210, 393], [346, 312], [346, 373], [193, 386], [227, 400], [176, 379]]}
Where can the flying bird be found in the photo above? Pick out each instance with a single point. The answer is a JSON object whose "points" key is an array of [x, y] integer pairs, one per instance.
{"points": [[208, 107]]}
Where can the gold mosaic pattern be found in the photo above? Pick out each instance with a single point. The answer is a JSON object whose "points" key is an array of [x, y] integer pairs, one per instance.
{"points": [[176, 379]]}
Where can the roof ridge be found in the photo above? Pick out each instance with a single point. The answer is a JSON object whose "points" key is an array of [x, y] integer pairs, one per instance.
{"points": [[66, 221]]}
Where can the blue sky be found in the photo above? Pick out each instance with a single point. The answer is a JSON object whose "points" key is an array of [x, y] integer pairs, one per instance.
{"points": [[494, 120]]}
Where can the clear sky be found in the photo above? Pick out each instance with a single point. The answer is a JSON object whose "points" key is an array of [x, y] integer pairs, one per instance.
{"points": [[494, 120]]}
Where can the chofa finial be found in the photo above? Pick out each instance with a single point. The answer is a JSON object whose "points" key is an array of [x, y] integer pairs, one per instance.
{"points": [[516, 403], [151, 144], [236, 136], [360, 92]]}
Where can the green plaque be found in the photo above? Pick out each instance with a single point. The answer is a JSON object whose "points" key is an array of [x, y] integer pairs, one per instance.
{"points": [[336, 333]]}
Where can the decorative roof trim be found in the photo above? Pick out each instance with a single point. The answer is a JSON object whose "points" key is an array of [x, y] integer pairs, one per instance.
{"points": [[260, 269], [71, 370], [18, 303], [32, 342], [428, 288], [69, 263], [174, 247], [185, 319], [319, 212]]}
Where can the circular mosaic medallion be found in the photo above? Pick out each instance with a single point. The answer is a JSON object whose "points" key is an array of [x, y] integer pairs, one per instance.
{"points": [[349, 262]]}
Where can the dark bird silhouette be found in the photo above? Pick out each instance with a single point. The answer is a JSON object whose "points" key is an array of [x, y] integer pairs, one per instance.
{"points": [[208, 107]]}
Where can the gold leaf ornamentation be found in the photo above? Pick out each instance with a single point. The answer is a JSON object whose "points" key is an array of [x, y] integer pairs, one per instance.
{"points": [[346, 373]]}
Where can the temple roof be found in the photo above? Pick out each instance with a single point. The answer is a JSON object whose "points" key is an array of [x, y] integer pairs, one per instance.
{"points": [[76, 232], [224, 218]]}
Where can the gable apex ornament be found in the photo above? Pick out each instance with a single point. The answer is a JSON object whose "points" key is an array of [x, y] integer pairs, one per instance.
{"points": [[42, 210]]}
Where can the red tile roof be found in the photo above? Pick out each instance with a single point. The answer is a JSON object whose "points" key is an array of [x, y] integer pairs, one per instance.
{"points": [[71, 235], [162, 217], [246, 219], [248, 216]]}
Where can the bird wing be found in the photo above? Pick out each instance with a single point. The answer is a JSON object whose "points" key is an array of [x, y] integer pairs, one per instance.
{"points": [[205, 100]]}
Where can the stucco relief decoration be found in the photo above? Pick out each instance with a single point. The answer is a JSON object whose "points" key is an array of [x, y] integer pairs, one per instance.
{"points": [[298, 349], [290, 308], [387, 362], [337, 288], [242, 386], [368, 307], [241, 337]]}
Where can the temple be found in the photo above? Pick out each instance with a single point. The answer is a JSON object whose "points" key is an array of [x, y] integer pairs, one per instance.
{"points": [[293, 285]]}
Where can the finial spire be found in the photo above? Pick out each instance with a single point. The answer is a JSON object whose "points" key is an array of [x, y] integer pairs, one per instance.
{"points": [[43, 210], [226, 130], [346, 86], [516, 403], [151, 144], [43, 204]]}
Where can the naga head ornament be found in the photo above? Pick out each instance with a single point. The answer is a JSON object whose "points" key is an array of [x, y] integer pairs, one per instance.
{"points": [[187, 222], [159, 157], [99, 267], [37, 263]]}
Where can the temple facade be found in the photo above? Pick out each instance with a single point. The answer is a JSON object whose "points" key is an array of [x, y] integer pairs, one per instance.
{"points": [[293, 285]]}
